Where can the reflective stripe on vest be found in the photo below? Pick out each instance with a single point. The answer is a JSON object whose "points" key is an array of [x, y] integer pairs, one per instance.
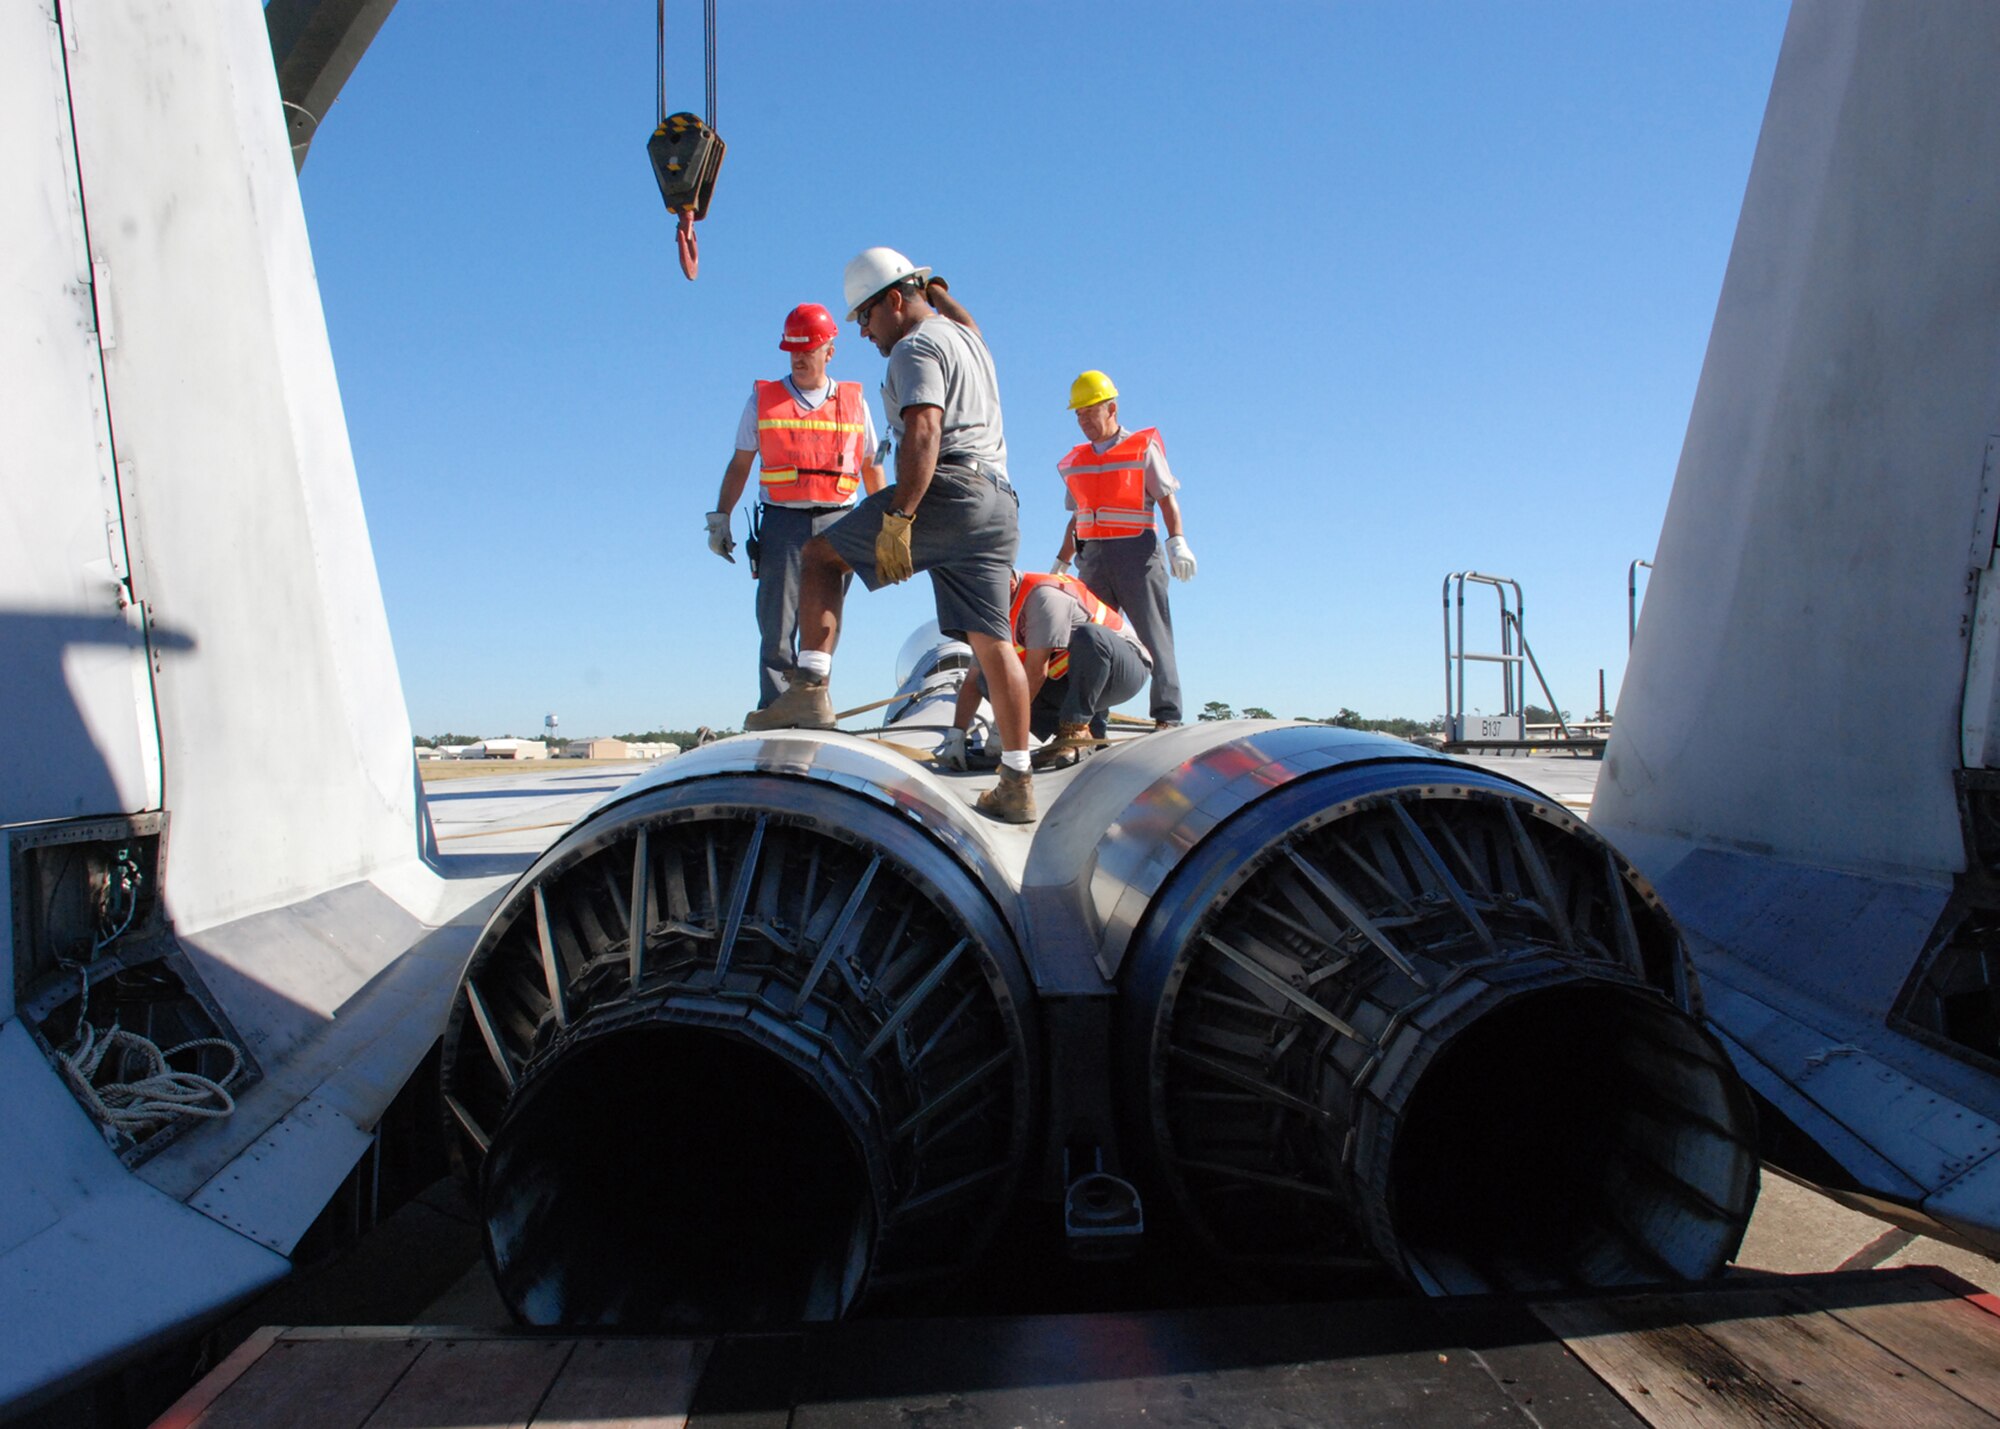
{"points": [[1097, 610], [810, 458], [1109, 487]]}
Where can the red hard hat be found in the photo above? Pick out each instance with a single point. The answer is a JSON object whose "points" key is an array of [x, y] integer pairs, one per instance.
{"points": [[806, 327]]}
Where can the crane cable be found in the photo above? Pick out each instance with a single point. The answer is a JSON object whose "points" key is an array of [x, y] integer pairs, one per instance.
{"points": [[707, 58], [684, 238]]}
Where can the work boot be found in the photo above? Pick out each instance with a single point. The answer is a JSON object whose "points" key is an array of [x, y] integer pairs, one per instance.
{"points": [[1071, 739], [805, 704], [1166, 724], [1012, 800]]}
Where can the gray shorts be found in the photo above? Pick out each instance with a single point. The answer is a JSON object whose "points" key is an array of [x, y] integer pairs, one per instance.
{"points": [[967, 531]]}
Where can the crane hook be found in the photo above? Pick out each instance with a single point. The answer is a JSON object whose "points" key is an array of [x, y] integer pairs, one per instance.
{"points": [[684, 239]]}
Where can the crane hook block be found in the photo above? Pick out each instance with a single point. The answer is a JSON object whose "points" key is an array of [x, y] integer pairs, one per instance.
{"points": [[686, 156]]}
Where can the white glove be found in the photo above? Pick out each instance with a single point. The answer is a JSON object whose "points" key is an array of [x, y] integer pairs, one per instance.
{"points": [[1060, 568], [1180, 559], [951, 749], [719, 540], [979, 739]]}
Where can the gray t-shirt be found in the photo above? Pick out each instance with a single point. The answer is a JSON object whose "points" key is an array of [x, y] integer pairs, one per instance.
{"points": [[940, 364], [1160, 480], [1050, 613]]}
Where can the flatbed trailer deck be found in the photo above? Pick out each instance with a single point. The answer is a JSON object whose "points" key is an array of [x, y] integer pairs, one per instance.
{"points": [[1914, 1346]]}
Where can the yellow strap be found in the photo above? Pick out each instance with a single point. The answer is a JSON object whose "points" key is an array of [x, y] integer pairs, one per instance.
{"points": [[1083, 468], [922, 756], [863, 709], [805, 424]]}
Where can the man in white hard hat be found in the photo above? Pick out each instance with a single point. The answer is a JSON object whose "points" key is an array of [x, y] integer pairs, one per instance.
{"points": [[1114, 480], [951, 511], [815, 442]]}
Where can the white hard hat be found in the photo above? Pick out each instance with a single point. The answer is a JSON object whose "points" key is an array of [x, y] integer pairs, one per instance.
{"points": [[873, 269]]}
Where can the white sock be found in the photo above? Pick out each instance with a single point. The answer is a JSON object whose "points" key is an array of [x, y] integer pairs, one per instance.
{"points": [[1016, 760], [816, 662]]}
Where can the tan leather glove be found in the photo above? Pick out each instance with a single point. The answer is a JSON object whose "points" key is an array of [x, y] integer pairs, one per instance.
{"points": [[892, 549]]}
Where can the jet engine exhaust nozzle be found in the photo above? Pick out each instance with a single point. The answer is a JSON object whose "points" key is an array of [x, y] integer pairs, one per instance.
{"points": [[1420, 1013], [738, 1051]]}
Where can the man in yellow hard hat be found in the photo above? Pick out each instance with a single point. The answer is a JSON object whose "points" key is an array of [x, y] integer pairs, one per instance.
{"points": [[951, 511], [815, 441], [1115, 480]]}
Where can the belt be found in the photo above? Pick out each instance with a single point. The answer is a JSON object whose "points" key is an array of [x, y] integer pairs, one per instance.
{"points": [[973, 465], [805, 508]]}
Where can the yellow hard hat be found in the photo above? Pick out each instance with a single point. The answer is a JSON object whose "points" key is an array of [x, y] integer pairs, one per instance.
{"points": [[1090, 388]]}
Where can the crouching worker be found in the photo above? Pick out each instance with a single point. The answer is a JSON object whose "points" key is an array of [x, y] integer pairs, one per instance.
{"points": [[1080, 656]]}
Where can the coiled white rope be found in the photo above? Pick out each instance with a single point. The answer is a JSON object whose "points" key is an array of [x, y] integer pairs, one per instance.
{"points": [[158, 1096], [141, 1105]]}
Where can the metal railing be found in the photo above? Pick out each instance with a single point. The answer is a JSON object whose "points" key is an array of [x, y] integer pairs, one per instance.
{"points": [[1632, 599], [1515, 657]]}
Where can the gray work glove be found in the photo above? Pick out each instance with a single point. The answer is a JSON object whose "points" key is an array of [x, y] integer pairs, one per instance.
{"points": [[1060, 568], [951, 749], [719, 539], [1180, 558]]}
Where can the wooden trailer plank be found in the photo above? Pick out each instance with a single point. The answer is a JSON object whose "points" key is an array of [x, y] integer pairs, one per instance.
{"points": [[1835, 1371], [187, 1410], [1955, 1343], [1403, 1363], [1670, 1373], [1770, 1352], [749, 1382], [625, 1384], [495, 1384], [330, 1384]]}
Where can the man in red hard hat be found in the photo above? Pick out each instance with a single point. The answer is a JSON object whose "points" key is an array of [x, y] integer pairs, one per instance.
{"points": [[814, 440]]}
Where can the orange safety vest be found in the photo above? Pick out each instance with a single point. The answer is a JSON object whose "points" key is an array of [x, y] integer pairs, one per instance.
{"points": [[810, 458], [1110, 487], [1097, 610]]}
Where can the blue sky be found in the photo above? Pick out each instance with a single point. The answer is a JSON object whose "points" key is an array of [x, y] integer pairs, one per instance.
{"points": [[1408, 288]]}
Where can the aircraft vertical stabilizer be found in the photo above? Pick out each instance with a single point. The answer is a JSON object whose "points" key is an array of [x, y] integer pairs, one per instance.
{"points": [[213, 830], [1798, 762]]}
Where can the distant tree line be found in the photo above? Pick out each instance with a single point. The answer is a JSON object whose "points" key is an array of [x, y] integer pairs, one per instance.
{"points": [[439, 741], [685, 738], [1399, 726]]}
